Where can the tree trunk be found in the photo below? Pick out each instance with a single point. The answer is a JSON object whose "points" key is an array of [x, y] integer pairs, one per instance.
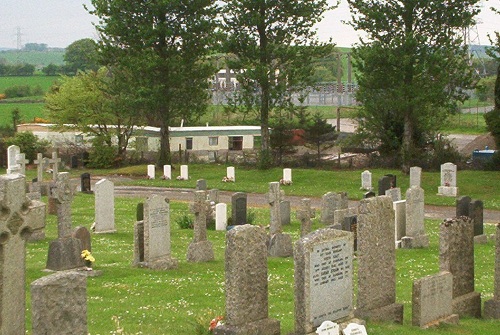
{"points": [[165, 156], [408, 147]]}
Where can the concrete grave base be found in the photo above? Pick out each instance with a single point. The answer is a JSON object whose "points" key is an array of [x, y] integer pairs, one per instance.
{"points": [[448, 191], [105, 231], [409, 242], [450, 319], [481, 239], [260, 327], [199, 252], [389, 313], [280, 245], [165, 263], [492, 309], [468, 305]]}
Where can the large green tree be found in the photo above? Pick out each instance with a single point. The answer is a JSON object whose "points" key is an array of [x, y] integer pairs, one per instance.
{"points": [[412, 68], [493, 117], [164, 44], [81, 55], [274, 46]]}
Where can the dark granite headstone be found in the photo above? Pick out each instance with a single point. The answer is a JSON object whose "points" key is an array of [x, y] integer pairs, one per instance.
{"points": [[350, 223], [74, 162], [239, 208], [476, 214], [462, 206], [384, 184], [201, 185], [140, 212], [85, 183]]}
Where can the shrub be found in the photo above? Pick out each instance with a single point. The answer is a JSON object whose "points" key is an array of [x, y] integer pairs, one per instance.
{"points": [[102, 155], [185, 222], [29, 144]]}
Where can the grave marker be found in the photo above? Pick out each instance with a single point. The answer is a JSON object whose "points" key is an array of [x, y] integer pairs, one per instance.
{"points": [[105, 206], [415, 176], [200, 249], [239, 208], [287, 176], [151, 171], [304, 216], [416, 236], [85, 184], [230, 173], [54, 163], [13, 166], [167, 172], [220, 216], [328, 328], [201, 185], [331, 202], [285, 212], [355, 329], [394, 193], [386, 183], [184, 172], [448, 186], [400, 220], [366, 180], [280, 244], [22, 161]]}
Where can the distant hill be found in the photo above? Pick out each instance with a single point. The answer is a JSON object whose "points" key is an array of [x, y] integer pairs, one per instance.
{"points": [[38, 58]]}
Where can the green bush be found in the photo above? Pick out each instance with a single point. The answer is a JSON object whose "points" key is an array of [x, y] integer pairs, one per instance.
{"points": [[103, 155], [492, 119], [28, 144], [185, 222], [20, 91]]}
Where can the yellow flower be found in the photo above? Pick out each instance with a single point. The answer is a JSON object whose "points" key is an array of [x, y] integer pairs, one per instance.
{"points": [[86, 255]]}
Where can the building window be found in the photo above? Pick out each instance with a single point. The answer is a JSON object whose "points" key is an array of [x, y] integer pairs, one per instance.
{"points": [[236, 143], [189, 143], [213, 141]]}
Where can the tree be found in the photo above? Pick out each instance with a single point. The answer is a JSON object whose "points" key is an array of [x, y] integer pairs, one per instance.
{"points": [[91, 103], [51, 69], [412, 69], [281, 136], [274, 46], [492, 118], [319, 135], [163, 44], [81, 55]]}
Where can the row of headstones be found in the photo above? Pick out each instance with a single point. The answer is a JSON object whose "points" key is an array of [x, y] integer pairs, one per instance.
{"points": [[230, 173], [16, 163], [448, 180]]}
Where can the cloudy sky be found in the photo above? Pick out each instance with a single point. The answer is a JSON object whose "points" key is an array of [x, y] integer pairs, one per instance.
{"points": [[58, 23]]}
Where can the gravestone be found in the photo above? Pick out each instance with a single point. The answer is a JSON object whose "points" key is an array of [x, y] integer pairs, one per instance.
{"points": [[323, 279], [287, 176], [83, 234], [54, 165], [492, 306], [304, 216], [340, 214], [139, 211], [200, 249], [331, 202], [328, 328], [167, 172], [239, 208], [385, 183], [377, 262], [220, 216], [246, 284], [415, 176], [85, 185], [366, 180], [59, 304], [462, 206], [448, 186], [74, 162], [285, 212], [19, 218], [184, 172], [22, 161], [456, 255], [280, 244], [151, 171], [13, 166], [230, 173], [355, 329], [39, 167], [152, 236], [432, 301], [394, 193], [416, 236], [399, 221], [213, 196], [201, 185], [105, 206], [476, 208], [350, 224]]}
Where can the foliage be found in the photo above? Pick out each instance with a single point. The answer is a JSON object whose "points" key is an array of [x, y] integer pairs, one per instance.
{"points": [[35, 47], [19, 91], [28, 143], [163, 46], [319, 134], [485, 89], [273, 47], [281, 137], [412, 71], [43, 58], [103, 154], [185, 222], [18, 69], [81, 55]]}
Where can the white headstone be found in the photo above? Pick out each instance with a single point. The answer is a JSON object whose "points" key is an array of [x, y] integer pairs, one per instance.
{"points": [[328, 328], [287, 175], [220, 216], [167, 171], [355, 329], [230, 173], [151, 171], [400, 219], [415, 176], [104, 206], [366, 180], [448, 180], [184, 172], [12, 164]]}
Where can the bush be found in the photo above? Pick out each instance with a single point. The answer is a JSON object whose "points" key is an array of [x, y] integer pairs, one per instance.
{"points": [[29, 144], [102, 155], [185, 222]]}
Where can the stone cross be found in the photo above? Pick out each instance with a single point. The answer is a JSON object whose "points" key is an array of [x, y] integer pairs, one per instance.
{"points": [[304, 216], [22, 161], [274, 198], [39, 167], [200, 249], [55, 165], [16, 225], [63, 193]]}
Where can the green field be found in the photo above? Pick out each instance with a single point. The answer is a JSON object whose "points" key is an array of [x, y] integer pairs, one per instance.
{"points": [[28, 111], [37, 58], [45, 82]]}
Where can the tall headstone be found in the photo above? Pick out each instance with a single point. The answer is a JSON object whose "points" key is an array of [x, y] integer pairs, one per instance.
{"points": [[416, 236], [213, 195], [239, 208], [377, 261], [492, 306], [329, 203], [415, 176], [167, 172], [151, 171], [16, 224], [366, 180], [200, 249], [85, 183], [39, 167], [154, 236], [280, 244], [287, 176], [350, 224], [399, 221], [105, 206], [432, 301], [394, 193], [385, 183], [462, 205], [476, 209], [59, 304], [230, 173], [448, 186], [285, 212], [324, 277], [456, 255], [304, 216], [247, 309], [83, 234], [220, 216], [184, 172], [54, 164], [13, 166]]}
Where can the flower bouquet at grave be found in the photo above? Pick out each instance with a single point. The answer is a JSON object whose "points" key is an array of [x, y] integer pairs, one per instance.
{"points": [[228, 180], [88, 258], [215, 323], [285, 182]]}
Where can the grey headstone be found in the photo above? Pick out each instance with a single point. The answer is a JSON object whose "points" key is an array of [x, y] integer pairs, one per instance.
{"points": [[105, 206], [456, 255], [330, 202], [246, 284], [39, 167], [416, 236], [366, 180], [280, 244], [415, 176], [213, 195], [239, 208], [394, 193], [323, 279], [63, 194], [201, 185], [65, 254], [59, 304], [83, 234], [285, 212], [448, 180], [377, 261], [304, 216], [492, 306], [200, 249]]}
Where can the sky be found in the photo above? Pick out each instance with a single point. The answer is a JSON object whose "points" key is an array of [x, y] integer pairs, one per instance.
{"points": [[59, 23]]}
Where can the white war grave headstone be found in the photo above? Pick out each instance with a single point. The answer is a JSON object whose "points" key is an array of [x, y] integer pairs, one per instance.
{"points": [[220, 216], [230, 174], [366, 180], [151, 171], [328, 328], [167, 172], [104, 206], [13, 166]]}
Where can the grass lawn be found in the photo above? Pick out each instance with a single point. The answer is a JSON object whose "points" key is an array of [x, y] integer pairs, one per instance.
{"points": [[28, 111], [127, 300]]}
